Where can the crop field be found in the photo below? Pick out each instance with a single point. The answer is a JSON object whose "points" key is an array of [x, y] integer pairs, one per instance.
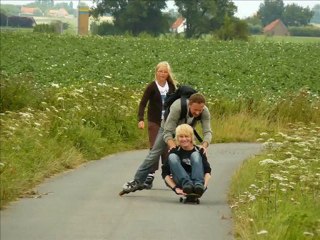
{"points": [[68, 99], [228, 69]]}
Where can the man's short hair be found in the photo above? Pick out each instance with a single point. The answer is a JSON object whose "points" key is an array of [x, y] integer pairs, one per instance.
{"points": [[197, 98]]}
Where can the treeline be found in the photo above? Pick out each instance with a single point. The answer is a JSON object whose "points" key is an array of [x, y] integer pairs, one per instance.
{"points": [[305, 31], [202, 17]]}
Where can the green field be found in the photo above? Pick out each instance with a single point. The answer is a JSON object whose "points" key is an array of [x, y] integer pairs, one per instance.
{"points": [[285, 39], [69, 99]]}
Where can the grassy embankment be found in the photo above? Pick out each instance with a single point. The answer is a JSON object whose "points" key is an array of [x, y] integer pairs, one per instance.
{"points": [[66, 100]]}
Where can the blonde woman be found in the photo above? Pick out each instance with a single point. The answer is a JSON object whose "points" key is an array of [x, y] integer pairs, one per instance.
{"points": [[154, 95], [187, 169]]}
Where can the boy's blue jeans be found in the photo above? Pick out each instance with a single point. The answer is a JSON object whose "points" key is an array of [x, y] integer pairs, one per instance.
{"points": [[179, 174], [153, 157]]}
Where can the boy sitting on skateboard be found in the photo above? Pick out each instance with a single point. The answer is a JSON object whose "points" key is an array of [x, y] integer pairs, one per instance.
{"points": [[187, 169]]}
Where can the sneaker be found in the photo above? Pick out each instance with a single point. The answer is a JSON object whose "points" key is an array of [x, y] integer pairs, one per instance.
{"points": [[132, 186], [148, 183], [199, 189], [187, 188]]}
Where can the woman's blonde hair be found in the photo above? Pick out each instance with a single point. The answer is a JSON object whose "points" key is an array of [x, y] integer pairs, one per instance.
{"points": [[185, 129], [171, 79]]}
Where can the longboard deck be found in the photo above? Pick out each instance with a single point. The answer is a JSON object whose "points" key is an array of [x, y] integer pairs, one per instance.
{"points": [[190, 198]]}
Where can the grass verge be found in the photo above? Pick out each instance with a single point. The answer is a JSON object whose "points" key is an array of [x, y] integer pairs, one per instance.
{"points": [[277, 195]]}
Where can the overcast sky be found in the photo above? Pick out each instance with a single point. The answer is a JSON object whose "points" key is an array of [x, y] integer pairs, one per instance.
{"points": [[246, 8]]}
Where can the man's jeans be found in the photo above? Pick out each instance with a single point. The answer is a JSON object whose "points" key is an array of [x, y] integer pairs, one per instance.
{"points": [[179, 174], [153, 157]]}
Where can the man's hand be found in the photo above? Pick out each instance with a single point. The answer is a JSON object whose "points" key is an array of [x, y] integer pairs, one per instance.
{"points": [[179, 191], [171, 144], [141, 124], [204, 146]]}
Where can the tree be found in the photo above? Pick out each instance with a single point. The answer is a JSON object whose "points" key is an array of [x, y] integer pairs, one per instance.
{"points": [[204, 16], [66, 6], [316, 16], [233, 29], [270, 10], [43, 5], [46, 3], [9, 9], [295, 15], [135, 16]]}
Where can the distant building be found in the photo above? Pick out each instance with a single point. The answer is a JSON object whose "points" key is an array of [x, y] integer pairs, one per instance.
{"points": [[58, 13], [28, 11], [179, 26], [276, 28]]}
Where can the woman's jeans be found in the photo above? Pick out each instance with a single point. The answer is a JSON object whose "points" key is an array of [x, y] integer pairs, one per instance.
{"points": [[179, 174]]}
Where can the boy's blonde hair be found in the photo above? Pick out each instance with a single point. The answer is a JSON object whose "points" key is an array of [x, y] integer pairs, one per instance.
{"points": [[185, 129]]}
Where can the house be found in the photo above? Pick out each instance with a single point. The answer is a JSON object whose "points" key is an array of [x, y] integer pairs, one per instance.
{"points": [[276, 28], [28, 11], [179, 25], [58, 13]]}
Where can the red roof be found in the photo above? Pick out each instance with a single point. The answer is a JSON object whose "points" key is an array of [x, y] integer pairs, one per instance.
{"points": [[27, 10], [177, 23], [272, 25]]}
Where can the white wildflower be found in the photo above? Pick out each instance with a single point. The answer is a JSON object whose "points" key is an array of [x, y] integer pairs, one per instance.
{"points": [[55, 85], [267, 161], [308, 234], [262, 232], [302, 162], [279, 177], [263, 134], [252, 197]]}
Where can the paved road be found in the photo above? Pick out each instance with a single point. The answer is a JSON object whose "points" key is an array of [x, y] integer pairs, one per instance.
{"points": [[83, 204]]}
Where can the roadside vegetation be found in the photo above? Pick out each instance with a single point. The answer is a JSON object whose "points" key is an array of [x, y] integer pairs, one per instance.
{"points": [[276, 195], [66, 100]]}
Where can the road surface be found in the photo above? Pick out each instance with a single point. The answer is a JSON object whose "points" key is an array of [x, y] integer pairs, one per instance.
{"points": [[83, 204]]}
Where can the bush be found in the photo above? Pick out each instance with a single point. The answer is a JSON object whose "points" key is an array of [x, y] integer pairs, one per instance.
{"points": [[44, 28], [19, 92], [233, 29], [255, 29], [104, 28], [308, 31]]}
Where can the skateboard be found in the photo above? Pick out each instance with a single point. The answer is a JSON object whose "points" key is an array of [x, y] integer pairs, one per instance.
{"points": [[190, 198]]}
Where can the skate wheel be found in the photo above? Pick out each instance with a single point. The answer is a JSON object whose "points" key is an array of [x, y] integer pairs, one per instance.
{"points": [[181, 199], [198, 201]]}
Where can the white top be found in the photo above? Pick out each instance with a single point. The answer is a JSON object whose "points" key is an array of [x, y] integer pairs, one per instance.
{"points": [[163, 92]]}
